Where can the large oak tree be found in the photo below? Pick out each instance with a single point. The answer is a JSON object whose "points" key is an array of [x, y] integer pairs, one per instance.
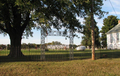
{"points": [[18, 17]]}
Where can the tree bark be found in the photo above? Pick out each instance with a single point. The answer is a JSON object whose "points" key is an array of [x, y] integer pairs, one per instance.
{"points": [[15, 49], [92, 32]]}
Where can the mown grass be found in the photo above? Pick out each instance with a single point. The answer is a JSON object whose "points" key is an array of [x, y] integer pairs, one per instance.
{"points": [[82, 65], [60, 55], [87, 67]]}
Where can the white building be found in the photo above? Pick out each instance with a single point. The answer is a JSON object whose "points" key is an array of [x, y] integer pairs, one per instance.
{"points": [[113, 37], [58, 46]]}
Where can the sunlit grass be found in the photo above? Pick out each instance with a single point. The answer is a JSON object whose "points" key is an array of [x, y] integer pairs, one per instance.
{"points": [[58, 64], [100, 67], [65, 53]]}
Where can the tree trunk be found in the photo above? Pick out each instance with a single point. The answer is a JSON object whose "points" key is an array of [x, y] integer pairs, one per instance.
{"points": [[92, 32], [93, 44], [15, 49]]}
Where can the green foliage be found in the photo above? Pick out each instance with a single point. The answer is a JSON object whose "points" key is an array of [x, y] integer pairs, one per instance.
{"points": [[86, 39], [87, 29], [56, 43], [97, 7], [24, 46], [2, 46], [74, 46], [8, 47], [22, 15], [19, 17], [108, 23]]}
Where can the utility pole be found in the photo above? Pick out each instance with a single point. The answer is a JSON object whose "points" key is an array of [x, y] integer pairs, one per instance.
{"points": [[92, 32]]}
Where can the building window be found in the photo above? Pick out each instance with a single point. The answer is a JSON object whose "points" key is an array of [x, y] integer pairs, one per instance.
{"points": [[118, 37], [111, 38]]}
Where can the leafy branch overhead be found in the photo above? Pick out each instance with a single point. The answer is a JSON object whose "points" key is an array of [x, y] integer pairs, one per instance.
{"points": [[58, 13]]}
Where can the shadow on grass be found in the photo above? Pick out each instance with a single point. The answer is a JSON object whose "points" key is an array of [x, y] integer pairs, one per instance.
{"points": [[112, 54], [78, 55], [49, 57]]}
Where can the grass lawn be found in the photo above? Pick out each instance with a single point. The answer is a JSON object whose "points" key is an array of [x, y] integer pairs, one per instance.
{"points": [[82, 65]]}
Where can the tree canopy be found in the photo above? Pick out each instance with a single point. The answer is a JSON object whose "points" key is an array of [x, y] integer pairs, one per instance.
{"points": [[108, 23], [18, 17], [86, 39]]}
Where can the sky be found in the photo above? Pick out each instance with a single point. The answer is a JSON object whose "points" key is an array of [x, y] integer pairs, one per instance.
{"points": [[108, 7]]}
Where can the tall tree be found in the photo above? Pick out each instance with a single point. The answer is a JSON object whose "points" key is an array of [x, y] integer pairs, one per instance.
{"points": [[18, 17], [86, 39], [94, 8], [108, 23]]}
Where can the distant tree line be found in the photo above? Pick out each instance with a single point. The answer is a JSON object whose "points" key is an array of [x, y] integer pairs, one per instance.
{"points": [[2, 46], [33, 45], [23, 46]]}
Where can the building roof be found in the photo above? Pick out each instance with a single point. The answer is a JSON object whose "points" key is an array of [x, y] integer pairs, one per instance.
{"points": [[114, 29]]}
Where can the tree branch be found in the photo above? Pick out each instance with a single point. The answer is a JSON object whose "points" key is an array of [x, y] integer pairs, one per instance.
{"points": [[26, 22], [3, 28]]}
